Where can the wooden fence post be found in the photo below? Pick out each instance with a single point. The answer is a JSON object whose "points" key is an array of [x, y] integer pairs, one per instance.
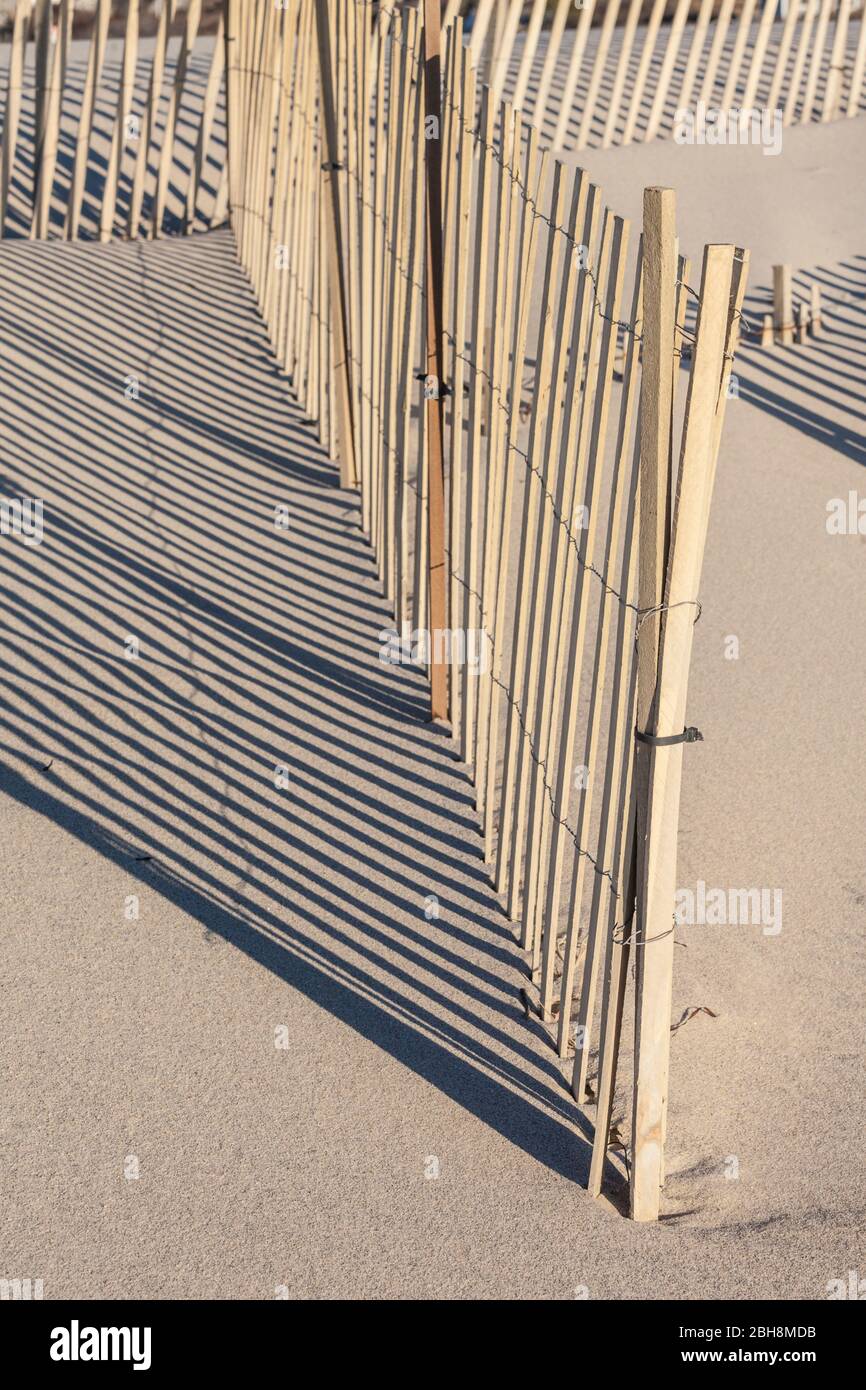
{"points": [[656, 412], [336, 277], [433, 393], [654, 933]]}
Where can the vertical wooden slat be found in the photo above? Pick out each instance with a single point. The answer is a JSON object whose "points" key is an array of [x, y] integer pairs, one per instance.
{"points": [[85, 121], [12, 115], [530, 48], [339, 328], [671, 54], [817, 59], [52, 114], [502, 58], [435, 368], [801, 54], [619, 935], [551, 58], [717, 48], [369, 50], [383, 123], [202, 145], [755, 66], [599, 67], [412, 398], [458, 492], [858, 71], [277, 168], [619, 80], [647, 52], [483, 16], [124, 108], [696, 51], [498, 347], [393, 104], [780, 61], [166, 154], [836, 74], [402, 190], [148, 120], [348, 185], [42, 30], [741, 38], [584, 24]]}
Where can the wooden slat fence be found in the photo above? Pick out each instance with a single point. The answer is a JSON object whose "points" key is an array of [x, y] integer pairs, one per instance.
{"points": [[110, 150], [573, 533], [614, 71]]}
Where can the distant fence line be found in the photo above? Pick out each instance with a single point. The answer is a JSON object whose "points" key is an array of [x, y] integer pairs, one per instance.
{"points": [[125, 190], [619, 81], [553, 519], [806, 58]]}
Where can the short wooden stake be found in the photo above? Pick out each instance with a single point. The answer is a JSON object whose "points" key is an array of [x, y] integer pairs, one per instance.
{"points": [[802, 321], [783, 304], [815, 304], [767, 335]]}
